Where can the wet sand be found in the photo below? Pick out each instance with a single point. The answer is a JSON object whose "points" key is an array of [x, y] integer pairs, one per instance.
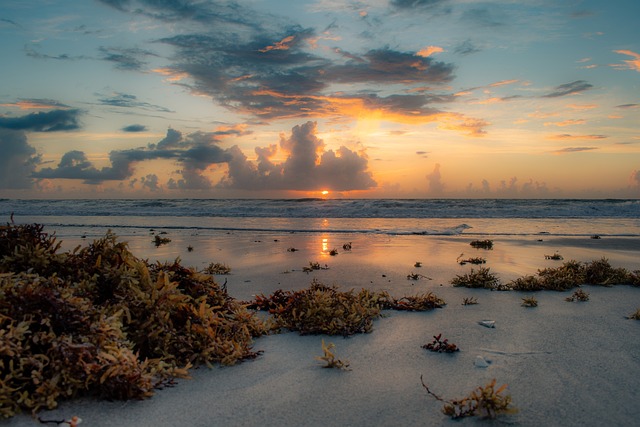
{"points": [[564, 363]]}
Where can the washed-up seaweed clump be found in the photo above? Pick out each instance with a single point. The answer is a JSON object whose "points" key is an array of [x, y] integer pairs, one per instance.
{"points": [[484, 402], [573, 274], [97, 320], [322, 309], [481, 278]]}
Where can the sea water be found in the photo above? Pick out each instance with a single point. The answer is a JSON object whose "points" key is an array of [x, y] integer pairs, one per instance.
{"points": [[486, 217]]}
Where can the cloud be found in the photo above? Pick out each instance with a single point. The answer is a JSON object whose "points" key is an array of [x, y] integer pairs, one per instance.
{"points": [[134, 128], [482, 17], [308, 166], [628, 106], [18, 160], [124, 100], [569, 122], [631, 64], [36, 104], [194, 152], [569, 89], [429, 50], [32, 53], [435, 184], [566, 136], [412, 5], [470, 126], [467, 47], [151, 182], [634, 178], [49, 121], [130, 59], [574, 150]]}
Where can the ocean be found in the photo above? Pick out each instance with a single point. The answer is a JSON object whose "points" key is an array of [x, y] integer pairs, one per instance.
{"points": [[486, 217]]}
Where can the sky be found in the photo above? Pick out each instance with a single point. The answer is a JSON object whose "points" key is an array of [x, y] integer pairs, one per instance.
{"points": [[271, 98]]}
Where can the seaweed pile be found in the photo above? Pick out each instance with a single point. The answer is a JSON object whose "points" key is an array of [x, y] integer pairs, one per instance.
{"points": [[97, 320], [569, 275], [322, 309]]}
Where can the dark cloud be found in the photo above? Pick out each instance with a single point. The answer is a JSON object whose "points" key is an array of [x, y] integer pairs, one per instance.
{"points": [[18, 160], [151, 182], [627, 106], [467, 47], [412, 5], [569, 89], [307, 167], [32, 53], [134, 128], [390, 66], [124, 100], [574, 150], [130, 59], [482, 17], [193, 152], [49, 121]]}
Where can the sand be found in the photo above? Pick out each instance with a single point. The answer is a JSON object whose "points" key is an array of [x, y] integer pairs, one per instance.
{"points": [[565, 363]]}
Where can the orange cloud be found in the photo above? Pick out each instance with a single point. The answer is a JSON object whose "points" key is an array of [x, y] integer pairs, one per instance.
{"points": [[503, 82], [32, 104], [582, 106], [566, 123], [633, 64], [283, 44], [566, 136], [172, 75], [429, 50]]}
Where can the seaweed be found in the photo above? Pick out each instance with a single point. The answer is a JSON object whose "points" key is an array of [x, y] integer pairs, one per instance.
{"points": [[578, 295], [330, 358], [482, 278], [333, 252], [439, 345], [322, 309], [556, 257], [217, 268], [347, 246], [529, 302], [473, 260], [314, 266], [469, 301], [483, 402], [482, 244], [158, 241], [417, 276], [98, 320], [635, 315]]}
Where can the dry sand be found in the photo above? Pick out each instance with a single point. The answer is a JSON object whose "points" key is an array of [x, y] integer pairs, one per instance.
{"points": [[569, 364]]}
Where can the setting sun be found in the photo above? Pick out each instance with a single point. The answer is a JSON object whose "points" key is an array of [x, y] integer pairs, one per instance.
{"points": [[325, 193]]}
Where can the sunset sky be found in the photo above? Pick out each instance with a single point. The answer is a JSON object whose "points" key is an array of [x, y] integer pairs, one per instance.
{"points": [[270, 98]]}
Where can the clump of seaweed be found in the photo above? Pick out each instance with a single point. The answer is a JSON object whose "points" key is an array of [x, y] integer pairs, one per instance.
{"points": [[424, 302], [483, 402], [347, 246], [635, 315], [333, 252], [217, 268], [417, 276], [578, 295], [159, 241], [600, 272], [292, 249], [98, 320], [439, 345], [314, 266], [529, 302], [469, 301], [330, 359], [417, 264], [482, 278], [322, 309], [472, 260], [482, 244], [556, 257], [572, 274]]}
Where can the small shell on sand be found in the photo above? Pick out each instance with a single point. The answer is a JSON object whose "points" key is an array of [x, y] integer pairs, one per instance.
{"points": [[480, 362], [488, 323]]}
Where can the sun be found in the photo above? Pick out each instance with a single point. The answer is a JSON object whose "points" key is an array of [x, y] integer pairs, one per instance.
{"points": [[324, 192]]}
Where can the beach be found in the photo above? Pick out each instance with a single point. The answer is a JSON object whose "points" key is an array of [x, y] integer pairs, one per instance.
{"points": [[565, 363]]}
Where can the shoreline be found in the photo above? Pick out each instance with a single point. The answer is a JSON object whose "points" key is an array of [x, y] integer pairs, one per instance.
{"points": [[564, 363]]}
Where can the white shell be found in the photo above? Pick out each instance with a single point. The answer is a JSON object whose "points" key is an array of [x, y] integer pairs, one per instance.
{"points": [[488, 323], [480, 362]]}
